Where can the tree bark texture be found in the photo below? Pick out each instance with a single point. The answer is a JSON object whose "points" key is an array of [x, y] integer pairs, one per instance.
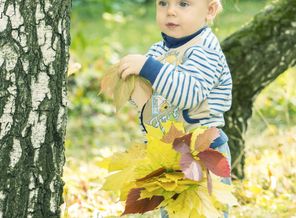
{"points": [[34, 44], [257, 54]]}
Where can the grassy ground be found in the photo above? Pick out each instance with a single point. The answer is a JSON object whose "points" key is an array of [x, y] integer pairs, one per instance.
{"points": [[100, 38]]}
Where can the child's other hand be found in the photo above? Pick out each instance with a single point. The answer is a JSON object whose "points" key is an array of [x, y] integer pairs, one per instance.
{"points": [[131, 64]]}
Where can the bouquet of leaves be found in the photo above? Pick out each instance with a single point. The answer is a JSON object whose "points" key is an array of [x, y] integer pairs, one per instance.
{"points": [[175, 170]]}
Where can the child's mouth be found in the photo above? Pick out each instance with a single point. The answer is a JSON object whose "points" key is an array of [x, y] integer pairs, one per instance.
{"points": [[171, 25]]}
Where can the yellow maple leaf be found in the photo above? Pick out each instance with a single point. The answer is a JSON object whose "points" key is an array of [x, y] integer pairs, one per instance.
{"points": [[117, 180], [174, 176], [126, 189], [223, 192], [207, 207], [104, 163], [178, 125], [184, 204], [153, 132], [168, 186], [194, 214], [159, 192], [161, 154], [150, 185], [157, 133], [123, 160]]}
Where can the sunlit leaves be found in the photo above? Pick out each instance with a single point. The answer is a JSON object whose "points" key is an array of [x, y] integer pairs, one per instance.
{"points": [[166, 172]]}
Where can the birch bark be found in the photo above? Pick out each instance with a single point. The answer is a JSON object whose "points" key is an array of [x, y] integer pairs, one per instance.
{"points": [[34, 44]]}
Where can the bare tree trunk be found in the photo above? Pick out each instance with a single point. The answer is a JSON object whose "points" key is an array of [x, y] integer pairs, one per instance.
{"points": [[257, 54], [34, 43]]}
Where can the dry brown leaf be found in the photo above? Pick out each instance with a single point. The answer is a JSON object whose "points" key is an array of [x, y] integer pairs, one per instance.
{"points": [[204, 140], [109, 81], [172, 135], [123, 91]]}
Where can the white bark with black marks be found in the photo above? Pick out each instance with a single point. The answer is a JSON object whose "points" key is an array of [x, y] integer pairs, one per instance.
{"points": [[34, 45]]}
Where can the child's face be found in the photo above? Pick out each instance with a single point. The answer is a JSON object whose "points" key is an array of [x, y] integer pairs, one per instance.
{"points": [[179, 18]]}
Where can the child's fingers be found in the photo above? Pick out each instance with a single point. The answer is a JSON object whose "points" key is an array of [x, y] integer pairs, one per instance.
{"points": [[122, 68], [125, 74]]}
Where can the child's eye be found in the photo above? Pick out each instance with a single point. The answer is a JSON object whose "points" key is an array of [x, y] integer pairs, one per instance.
{"points": [[162, 3], [184, 4]]}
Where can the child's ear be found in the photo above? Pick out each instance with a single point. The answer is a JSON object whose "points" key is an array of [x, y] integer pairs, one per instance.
{"points": [[212, 10]]}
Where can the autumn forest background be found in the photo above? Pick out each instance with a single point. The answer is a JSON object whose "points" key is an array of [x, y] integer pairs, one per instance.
{"points": [[102, 31]]}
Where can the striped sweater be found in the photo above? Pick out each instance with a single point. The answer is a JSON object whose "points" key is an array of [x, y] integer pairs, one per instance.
{"points": [[203, 75]]}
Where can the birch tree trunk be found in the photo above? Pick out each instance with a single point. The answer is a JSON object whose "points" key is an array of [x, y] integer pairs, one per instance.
{"points": [[34, 43], [257, 54]]}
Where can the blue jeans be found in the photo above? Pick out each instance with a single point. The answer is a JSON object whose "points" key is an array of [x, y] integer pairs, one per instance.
{"points": [[227, 180]]}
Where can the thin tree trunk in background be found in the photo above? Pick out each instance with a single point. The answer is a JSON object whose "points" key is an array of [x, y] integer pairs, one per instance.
{"points": [[34, 43], [257, 54]]}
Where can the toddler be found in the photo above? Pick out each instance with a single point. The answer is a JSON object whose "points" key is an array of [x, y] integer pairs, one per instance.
{"points": [[188, 72]]}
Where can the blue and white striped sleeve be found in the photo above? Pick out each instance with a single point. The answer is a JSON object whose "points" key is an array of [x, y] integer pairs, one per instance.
{"points": [[156, 50], [187, 84]]}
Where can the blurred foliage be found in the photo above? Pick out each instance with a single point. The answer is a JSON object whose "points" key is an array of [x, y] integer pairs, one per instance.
{"points": [[102, 31]]}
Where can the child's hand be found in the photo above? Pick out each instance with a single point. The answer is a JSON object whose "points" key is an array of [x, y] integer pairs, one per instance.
{"points": [[131, 64]]}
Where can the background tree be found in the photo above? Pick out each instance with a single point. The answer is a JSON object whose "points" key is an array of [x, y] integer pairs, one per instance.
{"points": [[34, 43], [257, 54]]}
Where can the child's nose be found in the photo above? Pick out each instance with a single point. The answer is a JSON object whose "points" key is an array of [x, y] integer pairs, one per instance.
{"points": [[171, 10]]}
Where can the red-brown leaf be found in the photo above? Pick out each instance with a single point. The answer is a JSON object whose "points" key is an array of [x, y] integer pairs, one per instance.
{"points": [[204, 140], [182, 144], [215, 162], [133, 205]]}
